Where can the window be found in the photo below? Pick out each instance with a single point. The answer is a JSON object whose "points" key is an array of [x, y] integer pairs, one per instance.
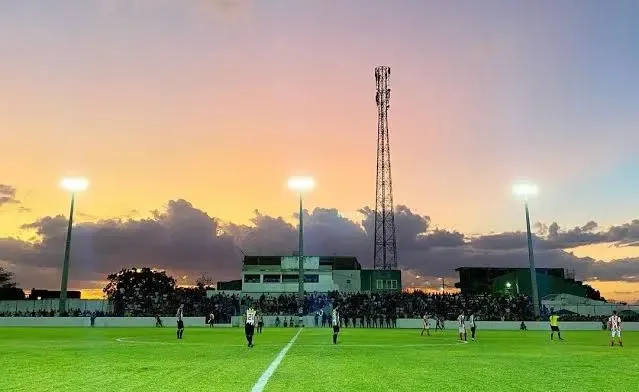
{"points": [[393, 284], [380, 284], [251, 278], [272, 278], [290, 278], [348, 281], [311, 278]]}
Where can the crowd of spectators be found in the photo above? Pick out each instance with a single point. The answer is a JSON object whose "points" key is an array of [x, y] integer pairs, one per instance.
{"points": [[365, 307], [55, 313], [447, 306], [286, 304]]}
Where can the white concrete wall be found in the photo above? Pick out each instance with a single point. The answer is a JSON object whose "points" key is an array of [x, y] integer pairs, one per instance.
{"points": [[269, 321], [514, 325], [28, 305], [347, 281], [100, 322]]}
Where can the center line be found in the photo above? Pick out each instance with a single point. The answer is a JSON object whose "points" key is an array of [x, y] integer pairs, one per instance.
{"points": [[261, 383]]}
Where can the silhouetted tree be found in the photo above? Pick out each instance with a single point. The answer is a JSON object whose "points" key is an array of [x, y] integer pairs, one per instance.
{"points": [[139, 291], [8, 289], [205, 281]]}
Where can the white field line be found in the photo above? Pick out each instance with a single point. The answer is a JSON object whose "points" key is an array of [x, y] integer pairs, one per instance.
{"points": [[263, 380]]}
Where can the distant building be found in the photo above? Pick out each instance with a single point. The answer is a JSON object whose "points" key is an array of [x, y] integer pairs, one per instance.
{"points": [[37, 294], [279, 274], [474, 280], [231, 285]]}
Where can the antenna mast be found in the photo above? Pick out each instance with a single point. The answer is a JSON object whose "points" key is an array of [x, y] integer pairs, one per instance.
{"points": [[385, 249]]}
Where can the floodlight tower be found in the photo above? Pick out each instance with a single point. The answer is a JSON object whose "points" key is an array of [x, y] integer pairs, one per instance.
{"points": [[385, 247], [525, 191], [301, 185], [72, 185]]}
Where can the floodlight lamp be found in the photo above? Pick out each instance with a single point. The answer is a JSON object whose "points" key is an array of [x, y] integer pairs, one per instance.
{"points": [[525, 190], [74, 184], [301, 184], [508, 285]]}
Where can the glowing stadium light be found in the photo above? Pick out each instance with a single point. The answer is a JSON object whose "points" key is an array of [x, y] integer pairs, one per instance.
{"points": [[508, 285], [525, 190], [75, 184], [301, 184]]}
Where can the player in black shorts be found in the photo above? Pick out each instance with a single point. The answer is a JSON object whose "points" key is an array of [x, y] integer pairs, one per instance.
{"points": [[180, 322], [260, 323], [249, 326]]}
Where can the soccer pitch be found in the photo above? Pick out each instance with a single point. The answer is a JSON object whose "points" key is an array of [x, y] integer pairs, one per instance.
{"points": [[152, 359]]}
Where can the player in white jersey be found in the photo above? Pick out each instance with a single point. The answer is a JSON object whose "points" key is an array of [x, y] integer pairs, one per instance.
{"points": [[614, 324], [426, 326], [249, 327], [335, 317], [180, 323], [461, 320], [473, 326]]}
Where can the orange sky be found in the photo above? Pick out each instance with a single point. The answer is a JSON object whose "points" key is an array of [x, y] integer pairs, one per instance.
{"points": [[157, 101]]}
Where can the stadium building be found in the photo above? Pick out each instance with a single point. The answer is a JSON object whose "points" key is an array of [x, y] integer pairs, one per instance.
{"points": [[280, 274], [550, 281]]}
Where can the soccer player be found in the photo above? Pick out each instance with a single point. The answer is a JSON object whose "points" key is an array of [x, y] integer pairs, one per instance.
{"points": [[614, 324], [426, 326], [462, 326], [473, 326], [180, 322], [554, 326], [158, 321], [211, 319], [335, 317], [249, 327], [260, 323]]}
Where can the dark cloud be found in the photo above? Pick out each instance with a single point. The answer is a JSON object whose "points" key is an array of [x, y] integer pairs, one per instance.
{"points": [[8, 195], [186, 241], [181, 238], [553, 237]]}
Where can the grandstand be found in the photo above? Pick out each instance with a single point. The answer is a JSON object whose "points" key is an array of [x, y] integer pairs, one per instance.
{"points": [[516, 281], [322, 274]]}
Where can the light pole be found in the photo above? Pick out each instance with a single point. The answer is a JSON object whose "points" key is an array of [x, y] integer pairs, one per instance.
{"points": [[73, 185], [301, 185], [525, 191]]}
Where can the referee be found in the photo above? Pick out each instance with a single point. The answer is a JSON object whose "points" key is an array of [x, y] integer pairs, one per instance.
{"points": [[554, 326]]}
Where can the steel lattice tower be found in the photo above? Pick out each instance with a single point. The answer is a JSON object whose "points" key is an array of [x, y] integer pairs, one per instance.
{"points": [[385, 250]]}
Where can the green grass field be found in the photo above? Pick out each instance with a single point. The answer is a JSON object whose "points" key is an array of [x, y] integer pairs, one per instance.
{"points": [[145, 359]]}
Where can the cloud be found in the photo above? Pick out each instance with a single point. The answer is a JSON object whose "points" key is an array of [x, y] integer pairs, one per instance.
{"points": [[553, 237], [8, 195], [187, 241]]}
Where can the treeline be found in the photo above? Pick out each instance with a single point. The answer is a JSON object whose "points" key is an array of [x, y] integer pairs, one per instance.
{"points": [[146, 292]]}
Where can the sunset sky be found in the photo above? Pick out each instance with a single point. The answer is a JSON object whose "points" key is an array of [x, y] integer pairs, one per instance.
{"points": [[218, 102]]}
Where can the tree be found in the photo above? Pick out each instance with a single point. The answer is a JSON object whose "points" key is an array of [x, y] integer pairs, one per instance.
{"points": [[139, 291], [6, 278], [205, 281], [593, 294], [8, 289]]}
